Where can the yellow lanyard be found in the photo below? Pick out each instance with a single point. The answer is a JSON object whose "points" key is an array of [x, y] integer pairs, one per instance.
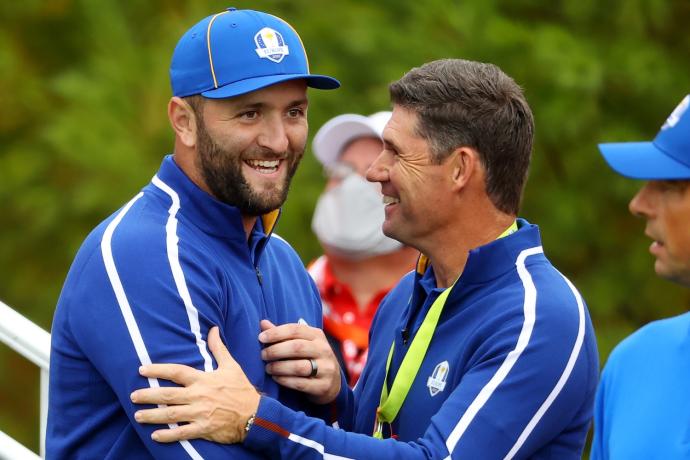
{"points": [[390, 404]]}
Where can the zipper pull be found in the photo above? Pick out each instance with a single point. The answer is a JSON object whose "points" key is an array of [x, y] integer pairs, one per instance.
{"points": [[259, 276]]}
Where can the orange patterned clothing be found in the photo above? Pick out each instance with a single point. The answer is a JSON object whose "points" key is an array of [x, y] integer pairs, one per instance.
{"points": [[346, 328]]}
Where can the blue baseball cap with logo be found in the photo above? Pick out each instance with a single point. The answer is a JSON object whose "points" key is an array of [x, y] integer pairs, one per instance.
{"points": [[667, 157], [239, 51]]}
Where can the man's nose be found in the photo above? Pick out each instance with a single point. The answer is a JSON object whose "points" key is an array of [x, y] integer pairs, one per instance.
{"points": [[273, 135], [641, 203], [378, 171]]}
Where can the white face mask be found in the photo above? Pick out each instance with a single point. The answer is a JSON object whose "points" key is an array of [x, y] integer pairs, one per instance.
{"points": [[348, 218]]}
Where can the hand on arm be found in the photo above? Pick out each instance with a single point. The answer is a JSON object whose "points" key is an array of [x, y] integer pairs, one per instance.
{"points": [[293, 351], [216, 404]]}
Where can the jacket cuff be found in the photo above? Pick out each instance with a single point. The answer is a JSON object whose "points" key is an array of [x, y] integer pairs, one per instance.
{"points": [[269, 428]]}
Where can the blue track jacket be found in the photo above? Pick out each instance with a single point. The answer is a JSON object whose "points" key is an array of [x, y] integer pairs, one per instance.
{"points": [[146, 286], [511, 371]]}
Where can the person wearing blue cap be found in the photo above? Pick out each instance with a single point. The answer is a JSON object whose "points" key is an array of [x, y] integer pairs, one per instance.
{"points": [[485, 351], [643, 406], [195, 248]]}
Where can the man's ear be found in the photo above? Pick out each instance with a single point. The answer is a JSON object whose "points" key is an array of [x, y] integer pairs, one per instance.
{"points": [[465, 166], [183, 121]]}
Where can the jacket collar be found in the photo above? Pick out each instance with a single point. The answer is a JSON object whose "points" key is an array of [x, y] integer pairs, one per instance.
{"points": [[492, 259], [204, 211]]}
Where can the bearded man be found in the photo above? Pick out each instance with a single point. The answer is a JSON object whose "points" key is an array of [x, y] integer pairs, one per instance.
{"points": [[194, 248]]}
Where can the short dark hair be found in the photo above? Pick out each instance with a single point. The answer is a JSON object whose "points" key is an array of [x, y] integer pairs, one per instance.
{"points": [[465, 103], [196, 102]]}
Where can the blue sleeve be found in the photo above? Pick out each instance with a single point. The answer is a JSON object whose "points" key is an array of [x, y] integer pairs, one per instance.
{"points": [[279, 432], [135, 303]]}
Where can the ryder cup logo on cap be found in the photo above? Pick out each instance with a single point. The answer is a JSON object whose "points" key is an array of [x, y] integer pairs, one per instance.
{"points": [[677, 114], [270, 45], [239, 51], [667, 157]]}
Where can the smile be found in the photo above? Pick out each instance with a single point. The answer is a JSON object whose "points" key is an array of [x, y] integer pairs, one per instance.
{"points": [[390, 200], [264, 166]]}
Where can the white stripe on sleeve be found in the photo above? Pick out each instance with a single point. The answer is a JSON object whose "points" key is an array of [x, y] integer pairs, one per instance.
{"points": [[529, 308], [178, 275], [316, 446], [126, 309], [564, 376]]}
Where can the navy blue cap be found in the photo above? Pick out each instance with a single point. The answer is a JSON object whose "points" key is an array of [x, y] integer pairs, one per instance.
{"points": [[237, 52], [667, 157]]}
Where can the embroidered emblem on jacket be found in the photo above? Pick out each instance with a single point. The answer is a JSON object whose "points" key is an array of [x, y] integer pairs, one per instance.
{"points": [[437, 381]]}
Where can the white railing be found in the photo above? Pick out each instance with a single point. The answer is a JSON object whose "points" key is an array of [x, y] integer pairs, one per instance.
{"points": [[32, 342]]}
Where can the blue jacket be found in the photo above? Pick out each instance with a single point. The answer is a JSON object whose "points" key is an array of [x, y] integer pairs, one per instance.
{"points": [[642, 407], [146, 286], [511, 371]]}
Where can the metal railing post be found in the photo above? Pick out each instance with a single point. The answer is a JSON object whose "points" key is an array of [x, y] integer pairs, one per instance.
{"points": [[32, 342]]}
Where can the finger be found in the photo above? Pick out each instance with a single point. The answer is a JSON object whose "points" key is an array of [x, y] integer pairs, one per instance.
{"points": [[161, 395], [266, 324], [290, 349], [286, 332], [179, 433], [218, 348], [301, 384], [167, 414], [294, 368], [178, 373]]}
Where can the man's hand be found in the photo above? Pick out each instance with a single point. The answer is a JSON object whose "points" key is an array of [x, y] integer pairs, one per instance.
{"points": [[294, 352], [216, 404]]}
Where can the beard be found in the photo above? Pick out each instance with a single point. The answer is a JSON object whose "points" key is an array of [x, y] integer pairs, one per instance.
{"points": [[222, 171]]}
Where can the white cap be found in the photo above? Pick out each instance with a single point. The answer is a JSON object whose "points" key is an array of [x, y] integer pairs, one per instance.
{"points": [[337, 132]]}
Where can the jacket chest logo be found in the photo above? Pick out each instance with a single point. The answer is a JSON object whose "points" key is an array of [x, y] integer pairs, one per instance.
{"points": [[437, 381]]}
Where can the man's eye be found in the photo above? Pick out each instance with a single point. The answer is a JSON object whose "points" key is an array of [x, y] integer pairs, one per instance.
{"points": [[391, 150], [250, 115], [295, 113]]}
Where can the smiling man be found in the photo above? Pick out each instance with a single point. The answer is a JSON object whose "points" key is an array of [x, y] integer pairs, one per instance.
{"points": [[643, 404], [194, 248], [485, 351]]}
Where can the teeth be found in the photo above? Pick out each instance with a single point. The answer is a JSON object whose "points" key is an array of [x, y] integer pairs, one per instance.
{"points": [[263, 163], [390, 200], [264, 166]]}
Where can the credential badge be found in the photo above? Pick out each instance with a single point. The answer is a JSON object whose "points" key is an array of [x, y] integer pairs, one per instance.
{"points": [[677, 113], [270, 45], [437, 381]]}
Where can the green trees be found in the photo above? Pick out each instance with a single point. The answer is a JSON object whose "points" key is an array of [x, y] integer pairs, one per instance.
{"points": [[84, 90]]}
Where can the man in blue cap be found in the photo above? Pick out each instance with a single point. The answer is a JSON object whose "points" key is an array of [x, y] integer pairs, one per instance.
{"points": [[643, 406], [194, 248]]}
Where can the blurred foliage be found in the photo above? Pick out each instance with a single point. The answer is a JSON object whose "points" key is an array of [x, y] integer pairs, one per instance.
{"points": [[84, 127]]}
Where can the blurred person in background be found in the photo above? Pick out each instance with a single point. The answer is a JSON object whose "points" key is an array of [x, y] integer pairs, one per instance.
{"points": [[360, 264], [643, 404]]}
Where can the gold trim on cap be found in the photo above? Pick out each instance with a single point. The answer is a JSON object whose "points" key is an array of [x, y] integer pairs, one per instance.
{"points": [[208, 45]]}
